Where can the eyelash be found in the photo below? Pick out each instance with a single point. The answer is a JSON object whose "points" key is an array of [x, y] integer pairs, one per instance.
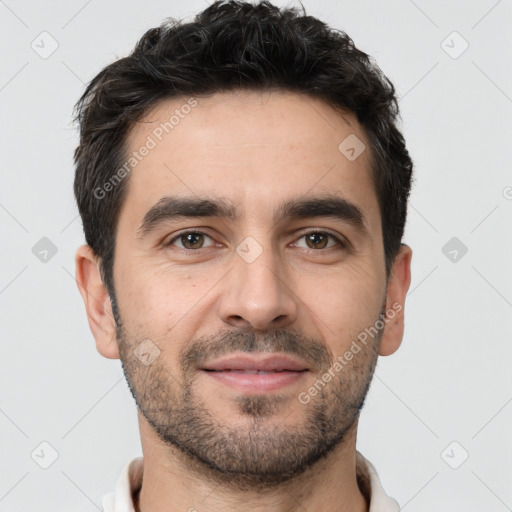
{"points": [[341, 244]]}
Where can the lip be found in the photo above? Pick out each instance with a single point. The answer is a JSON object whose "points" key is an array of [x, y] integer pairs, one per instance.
{"points": [[242, 372], [262, 363]]}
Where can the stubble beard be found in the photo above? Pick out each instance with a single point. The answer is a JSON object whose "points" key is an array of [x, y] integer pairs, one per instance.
{"points": [[265, 451]]}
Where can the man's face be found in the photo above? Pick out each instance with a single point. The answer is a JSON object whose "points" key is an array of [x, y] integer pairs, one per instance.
{"points": [[255, 283]]}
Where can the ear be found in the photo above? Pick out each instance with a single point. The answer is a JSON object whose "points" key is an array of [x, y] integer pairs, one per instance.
{"points": [[97, 302], [398, 284]]}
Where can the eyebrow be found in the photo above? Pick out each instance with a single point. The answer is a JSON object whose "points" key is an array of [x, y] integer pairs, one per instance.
{"points": [[174, 208]]}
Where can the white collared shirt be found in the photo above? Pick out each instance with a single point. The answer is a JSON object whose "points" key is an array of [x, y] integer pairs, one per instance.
{"points": [[130, 481]]}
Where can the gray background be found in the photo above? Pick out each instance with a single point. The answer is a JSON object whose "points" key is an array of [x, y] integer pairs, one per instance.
{"points": [[451, 379]]}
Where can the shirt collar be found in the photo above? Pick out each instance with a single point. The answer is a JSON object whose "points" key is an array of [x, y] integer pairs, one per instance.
{"points": [[130, 482]]}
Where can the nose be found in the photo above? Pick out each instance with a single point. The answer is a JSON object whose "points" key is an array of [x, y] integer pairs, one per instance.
{"points": [[256, 294]]}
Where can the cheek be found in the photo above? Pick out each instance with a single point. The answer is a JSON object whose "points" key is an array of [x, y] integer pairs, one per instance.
{"points": [[156, 300], [343, 303]]}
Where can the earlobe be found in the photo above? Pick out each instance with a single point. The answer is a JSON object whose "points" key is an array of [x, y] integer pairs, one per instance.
{"points": [[97, 302], [398, 285]]}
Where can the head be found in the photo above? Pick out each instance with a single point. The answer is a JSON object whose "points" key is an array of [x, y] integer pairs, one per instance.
{"points": [[243, 188]]}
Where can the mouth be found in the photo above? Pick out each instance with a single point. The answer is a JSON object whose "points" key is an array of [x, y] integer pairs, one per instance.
{"points": [[256, 374]]}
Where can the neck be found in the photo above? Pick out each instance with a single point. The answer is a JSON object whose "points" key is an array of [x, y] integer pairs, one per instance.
{"points": [[173, 482]]}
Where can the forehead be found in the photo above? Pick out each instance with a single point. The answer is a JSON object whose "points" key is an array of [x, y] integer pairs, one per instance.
{"points": [[255, 148]]}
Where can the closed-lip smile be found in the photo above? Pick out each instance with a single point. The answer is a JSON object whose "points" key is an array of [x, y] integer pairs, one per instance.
{"points": [[256, 373], [265, 363]]}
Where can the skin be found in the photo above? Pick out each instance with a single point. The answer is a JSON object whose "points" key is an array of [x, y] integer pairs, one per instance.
{"points": [[255, 150]]}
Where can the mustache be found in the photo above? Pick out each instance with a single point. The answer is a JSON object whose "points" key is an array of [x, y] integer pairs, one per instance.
{"points": [[293, 342]]}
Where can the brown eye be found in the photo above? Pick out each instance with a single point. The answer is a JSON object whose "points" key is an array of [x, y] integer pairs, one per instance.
{"points": [[191, 240], [317, 240]]}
